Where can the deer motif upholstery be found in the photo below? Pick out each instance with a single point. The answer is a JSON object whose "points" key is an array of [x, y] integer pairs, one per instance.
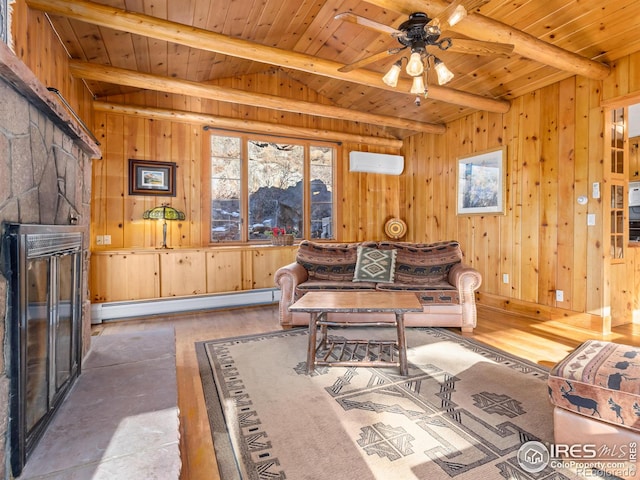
{"points": [[444, 284], [595, 391], [600, 380]]}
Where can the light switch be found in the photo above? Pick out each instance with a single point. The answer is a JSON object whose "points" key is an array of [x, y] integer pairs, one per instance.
{"points": [[591, 219]]}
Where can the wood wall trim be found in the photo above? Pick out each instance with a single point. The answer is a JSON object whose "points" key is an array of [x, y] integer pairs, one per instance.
{"points": [[621, 101], [241, 125], [544, 313]]}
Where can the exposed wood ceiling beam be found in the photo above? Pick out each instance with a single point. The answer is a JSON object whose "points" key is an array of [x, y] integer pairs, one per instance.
{"points": [[241, 125], [194, 37], [479, 27], [130, 78]]}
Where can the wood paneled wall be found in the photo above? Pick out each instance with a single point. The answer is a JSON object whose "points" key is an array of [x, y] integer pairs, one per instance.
{"points": [[121, 275], [130, 268], [622, 89], [37, 46], [555, 151], [365, 201]]}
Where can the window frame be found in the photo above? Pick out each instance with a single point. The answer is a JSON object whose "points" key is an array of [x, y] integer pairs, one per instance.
{"points": [[245, 138], [615, 213]]}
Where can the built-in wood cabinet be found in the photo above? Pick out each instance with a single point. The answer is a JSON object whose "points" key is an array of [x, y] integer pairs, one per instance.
{"points": [[119, 275]]}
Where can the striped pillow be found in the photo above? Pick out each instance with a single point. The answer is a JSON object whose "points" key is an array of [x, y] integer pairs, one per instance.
{"points": [[329, 261], [424, 263]]}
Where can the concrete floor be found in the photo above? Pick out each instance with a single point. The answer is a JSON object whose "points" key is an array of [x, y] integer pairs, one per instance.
{"points": [[120, 419]]}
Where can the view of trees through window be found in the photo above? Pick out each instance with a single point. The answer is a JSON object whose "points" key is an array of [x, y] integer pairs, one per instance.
{"points": [[280, 188]]}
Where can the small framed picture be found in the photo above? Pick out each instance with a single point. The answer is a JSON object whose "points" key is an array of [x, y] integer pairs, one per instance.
{"points": [[481, 183], [152, 178]]}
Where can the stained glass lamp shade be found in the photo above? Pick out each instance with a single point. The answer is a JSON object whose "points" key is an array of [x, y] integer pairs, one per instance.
{"points": [[164, 213]]}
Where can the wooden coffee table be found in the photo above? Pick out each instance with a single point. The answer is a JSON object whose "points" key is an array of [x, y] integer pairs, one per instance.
{"points": [[318, 304]]}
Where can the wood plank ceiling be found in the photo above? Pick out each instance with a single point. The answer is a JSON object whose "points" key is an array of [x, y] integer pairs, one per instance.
{"points": [[303, 38]]}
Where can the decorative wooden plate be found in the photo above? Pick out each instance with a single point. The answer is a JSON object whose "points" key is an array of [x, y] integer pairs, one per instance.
{"points": [[395, 228]]}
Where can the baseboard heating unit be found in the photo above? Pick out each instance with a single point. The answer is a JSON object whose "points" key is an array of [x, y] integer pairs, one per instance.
{"points": [[102, 312]]}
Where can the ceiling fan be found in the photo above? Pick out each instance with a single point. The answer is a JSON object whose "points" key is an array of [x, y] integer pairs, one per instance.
{"points": [[418, 33]]}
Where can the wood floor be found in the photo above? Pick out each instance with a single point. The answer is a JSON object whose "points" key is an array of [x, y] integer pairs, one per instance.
{"points": [[544, 343]]}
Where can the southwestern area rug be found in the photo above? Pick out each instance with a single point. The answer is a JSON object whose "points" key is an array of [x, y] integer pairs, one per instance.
{"points": [[463, 411]]}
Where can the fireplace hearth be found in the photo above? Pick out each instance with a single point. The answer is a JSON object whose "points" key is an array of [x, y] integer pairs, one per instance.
{"points": [[44, 269]]}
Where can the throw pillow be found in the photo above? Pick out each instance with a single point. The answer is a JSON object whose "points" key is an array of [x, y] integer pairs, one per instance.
{"points": [[373, 265], [424, 264], [329, 261]]}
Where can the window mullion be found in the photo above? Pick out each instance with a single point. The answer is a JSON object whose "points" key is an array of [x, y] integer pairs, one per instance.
{"points": [[306, 196], [244, 185]]}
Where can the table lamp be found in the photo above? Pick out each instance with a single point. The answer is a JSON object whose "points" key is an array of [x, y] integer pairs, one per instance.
{"points": [[163, 212]]}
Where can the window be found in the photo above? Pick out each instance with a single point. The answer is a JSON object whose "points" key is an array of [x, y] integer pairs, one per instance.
{"points": [[618, 179], [617, 140], [617, 221], [259, 186]]}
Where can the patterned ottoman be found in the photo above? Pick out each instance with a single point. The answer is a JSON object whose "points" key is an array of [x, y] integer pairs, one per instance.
{"points": [[595, 391]]}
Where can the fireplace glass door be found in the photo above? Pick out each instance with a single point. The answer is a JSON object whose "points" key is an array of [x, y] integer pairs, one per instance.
{"points": [[45, 328], [37, 320], [64, 340], [50, 341]]}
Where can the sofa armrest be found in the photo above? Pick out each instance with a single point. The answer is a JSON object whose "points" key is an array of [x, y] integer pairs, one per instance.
{"points": [[287, 278], [467, 280]]}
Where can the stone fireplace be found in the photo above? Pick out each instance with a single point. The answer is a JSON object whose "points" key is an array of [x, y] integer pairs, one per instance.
{"points": [[45, 179]]}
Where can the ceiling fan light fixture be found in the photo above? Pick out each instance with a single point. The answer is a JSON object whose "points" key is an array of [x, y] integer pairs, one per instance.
{"points": [[433, 28], [458, 14], [392, 76], [418, 87], [444, 74], [415, 66]]}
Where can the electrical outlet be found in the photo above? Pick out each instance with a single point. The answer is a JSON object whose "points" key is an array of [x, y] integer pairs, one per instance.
{"points": [[505, 278], [106, 240], [596, 190], [99, 240], [559, 296]]}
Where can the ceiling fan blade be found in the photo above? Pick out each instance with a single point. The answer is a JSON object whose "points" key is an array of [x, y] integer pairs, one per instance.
{"points": [[365, 61], [477, 47], [365, 22]]}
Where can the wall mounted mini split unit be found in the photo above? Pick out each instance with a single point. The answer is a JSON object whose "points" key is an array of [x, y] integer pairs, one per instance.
{"points": [[376, 163]]}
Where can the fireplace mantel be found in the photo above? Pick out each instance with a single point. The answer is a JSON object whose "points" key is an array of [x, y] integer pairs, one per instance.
{"points": [[16, 73]]}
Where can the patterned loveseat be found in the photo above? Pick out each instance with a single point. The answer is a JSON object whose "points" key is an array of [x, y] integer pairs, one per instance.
{"points": [[435, 272]]}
